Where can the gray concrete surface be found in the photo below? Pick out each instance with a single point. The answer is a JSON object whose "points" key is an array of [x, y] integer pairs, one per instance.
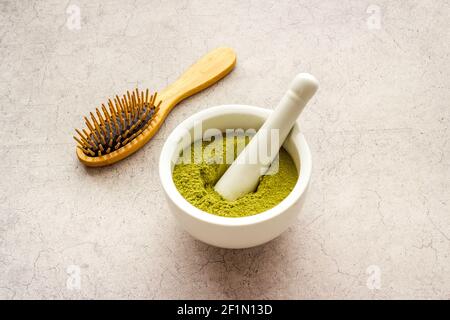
{"points": [[376, 223]]}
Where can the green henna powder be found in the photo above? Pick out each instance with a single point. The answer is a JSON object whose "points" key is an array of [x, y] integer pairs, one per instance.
{"points": [[195, 179]]}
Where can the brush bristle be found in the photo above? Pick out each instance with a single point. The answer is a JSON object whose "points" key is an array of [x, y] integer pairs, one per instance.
{"points": [[126, 118]]}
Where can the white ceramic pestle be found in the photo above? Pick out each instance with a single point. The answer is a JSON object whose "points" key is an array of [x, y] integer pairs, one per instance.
{"points": [[243, 175]]}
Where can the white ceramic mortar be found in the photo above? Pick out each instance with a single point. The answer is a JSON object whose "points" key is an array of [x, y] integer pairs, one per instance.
{"points": [[227, 232]]}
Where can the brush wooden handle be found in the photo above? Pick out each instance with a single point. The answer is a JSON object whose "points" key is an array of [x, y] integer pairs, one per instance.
{"points": [[208, 70]]}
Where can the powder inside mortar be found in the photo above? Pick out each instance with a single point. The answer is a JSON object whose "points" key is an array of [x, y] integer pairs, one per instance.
{"points": [[195, 179]]}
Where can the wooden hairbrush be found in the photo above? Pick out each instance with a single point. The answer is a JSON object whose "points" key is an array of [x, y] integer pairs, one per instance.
{"points": [[128, 122]]}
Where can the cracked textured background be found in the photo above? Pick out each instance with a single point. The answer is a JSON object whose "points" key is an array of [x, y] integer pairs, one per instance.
{"points": [[378, 130]]}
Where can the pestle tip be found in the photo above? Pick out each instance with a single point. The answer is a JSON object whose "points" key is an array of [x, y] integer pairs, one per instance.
{"points": [[304, 86]]}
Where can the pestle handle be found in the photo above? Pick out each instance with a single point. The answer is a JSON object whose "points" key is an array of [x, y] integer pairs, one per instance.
{"points": [[243, 175]]}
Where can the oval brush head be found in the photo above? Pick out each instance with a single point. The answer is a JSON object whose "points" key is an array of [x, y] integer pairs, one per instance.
{"points": [[120, 123]]}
